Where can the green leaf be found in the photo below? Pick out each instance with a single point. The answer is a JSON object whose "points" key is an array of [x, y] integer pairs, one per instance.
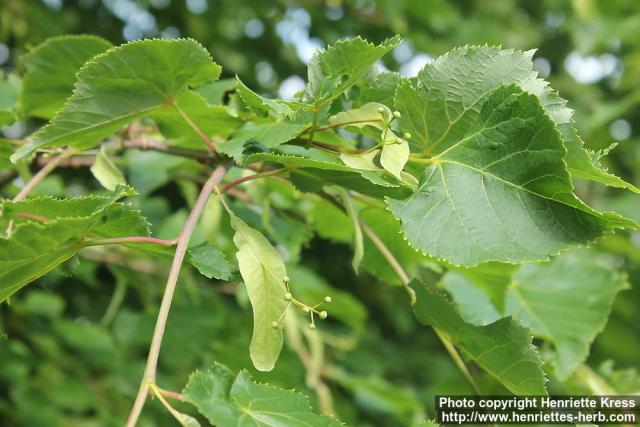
{"points": [[473, 303], [378, 87], [214, 92], [49, 231], [261, 105], [240, 402], [6, 118], [493, 278], [122, 84], [502, 348], [212, 120], [566, 302], [51, 72], [334, 70], [263, 272], [270, 135], [580, 162], [497, 188], [387, 228], [106, 172], [210, 262]]}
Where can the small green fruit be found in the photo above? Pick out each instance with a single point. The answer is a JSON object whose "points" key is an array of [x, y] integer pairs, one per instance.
{"points": [[288, 296], [311, 326], [397, 114], [323, 314], [327, 299]]}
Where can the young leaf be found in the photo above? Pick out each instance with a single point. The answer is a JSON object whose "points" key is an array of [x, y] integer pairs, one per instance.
{"points": [[261, 105], [346, 58], [263, 272], [106, 172], [229, 402], [51, 72], [122, 84], [210, 262], [566, 302], [497, 188], [502, 348], [270, 135], [48, 231]]}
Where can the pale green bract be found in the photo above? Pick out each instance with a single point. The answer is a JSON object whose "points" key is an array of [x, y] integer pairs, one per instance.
{"points": [[106, 172], [51, 72], [122, 84], [502, 348], [263, 272], [226, 401]]}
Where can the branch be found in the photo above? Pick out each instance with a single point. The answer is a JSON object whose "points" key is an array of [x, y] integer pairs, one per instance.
{"points": [[200, 155], [161, 322], [42, 173], [250, 178]]}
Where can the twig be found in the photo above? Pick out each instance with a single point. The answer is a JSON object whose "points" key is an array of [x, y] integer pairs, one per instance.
{"points": [[202, 156], [232, 184], [42, 173], [183, 241], [197, 130]]}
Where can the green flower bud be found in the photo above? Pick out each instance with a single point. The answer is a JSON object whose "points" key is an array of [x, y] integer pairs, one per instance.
{"points": [[406, 135], [288, 296], [381, 110], [323, 314], [311, 326], [306, 309], [327, 299], [397, 114], [274, 324]]}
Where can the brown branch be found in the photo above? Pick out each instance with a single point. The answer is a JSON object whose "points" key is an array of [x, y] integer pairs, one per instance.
{"points": [[161, 322], [143, 144]]}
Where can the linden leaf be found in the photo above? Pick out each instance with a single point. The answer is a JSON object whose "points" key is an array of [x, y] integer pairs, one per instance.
{"points": [[46, 232], [502, 348], [226, 401], [122, 84], [497, 188], [51, 71], [566, 302]]}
